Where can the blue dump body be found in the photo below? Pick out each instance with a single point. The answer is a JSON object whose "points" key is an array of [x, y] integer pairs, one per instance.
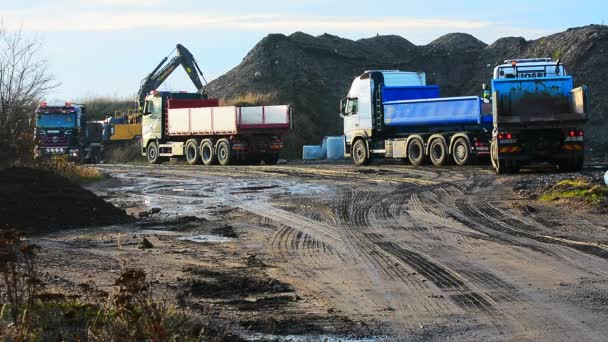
{"points": [[390, 94], [535, 98], [421, 106]]}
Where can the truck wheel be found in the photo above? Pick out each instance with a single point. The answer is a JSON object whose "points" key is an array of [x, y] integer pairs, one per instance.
{"points": [[415, 152], [461, 151], [438, 152], [152, 153], [95, 157], [207, 153], [579, 162], [193, 155], [271, 159], [360, 153], [224, 153]]}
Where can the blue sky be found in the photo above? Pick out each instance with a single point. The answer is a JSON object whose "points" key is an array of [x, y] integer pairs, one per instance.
{"points": [[105, 47]]}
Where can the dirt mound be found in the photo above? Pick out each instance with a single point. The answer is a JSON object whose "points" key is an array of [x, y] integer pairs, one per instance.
{"points": [[458, 41], [39, 201], [314, 73]]}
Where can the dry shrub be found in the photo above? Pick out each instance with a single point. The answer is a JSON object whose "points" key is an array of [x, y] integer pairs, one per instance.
{"points": [[19, 284], [75, 172], [129, 314], [251, 99]]}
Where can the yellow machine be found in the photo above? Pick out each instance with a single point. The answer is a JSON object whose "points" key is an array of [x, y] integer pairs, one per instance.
{"points": [[124, 126]]}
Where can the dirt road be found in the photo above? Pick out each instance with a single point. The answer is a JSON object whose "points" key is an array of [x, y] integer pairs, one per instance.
{"points": [[384, 252]]}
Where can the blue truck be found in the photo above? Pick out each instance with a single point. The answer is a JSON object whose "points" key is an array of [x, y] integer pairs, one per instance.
{"points": [[394, 114], [62, 130], [538, 116]]}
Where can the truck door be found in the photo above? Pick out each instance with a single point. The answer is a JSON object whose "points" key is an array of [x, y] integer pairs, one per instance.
{"points": [[351, 115]]}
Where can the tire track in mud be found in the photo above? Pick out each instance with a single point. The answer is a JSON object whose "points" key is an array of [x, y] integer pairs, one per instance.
{"points": [[484, 215], [354, 214], [315, 259]]}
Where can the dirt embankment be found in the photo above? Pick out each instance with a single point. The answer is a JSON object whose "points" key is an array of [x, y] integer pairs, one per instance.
{"points": [[314, 73], [39, 201], [585, 191]]}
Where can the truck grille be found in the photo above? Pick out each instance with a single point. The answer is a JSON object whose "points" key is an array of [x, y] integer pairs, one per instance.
{"points": [[55, 141]]}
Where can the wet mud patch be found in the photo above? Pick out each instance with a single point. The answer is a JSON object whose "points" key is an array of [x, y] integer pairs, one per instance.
{"points": [[233, 284], [252, 189]]}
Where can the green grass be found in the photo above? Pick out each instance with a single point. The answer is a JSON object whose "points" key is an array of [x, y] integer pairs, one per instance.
{"points": [[578, 190]]}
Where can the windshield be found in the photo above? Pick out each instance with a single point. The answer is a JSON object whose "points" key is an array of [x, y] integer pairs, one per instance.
{"points": [[56, 120]]}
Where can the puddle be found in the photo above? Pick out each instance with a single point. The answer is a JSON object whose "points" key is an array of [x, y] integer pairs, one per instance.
{"points": [[304, 338], [206, 238]]}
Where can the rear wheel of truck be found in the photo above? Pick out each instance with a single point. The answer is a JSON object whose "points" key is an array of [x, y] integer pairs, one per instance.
{"points": [[208, 153], [193, 155], [271, 159], [461, 151], [152, 153], [438, 152], [360, 153], [224, 153], [415, 152]]}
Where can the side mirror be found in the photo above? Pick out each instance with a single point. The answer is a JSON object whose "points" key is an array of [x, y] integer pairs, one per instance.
{"points": [[342, 107], [146, 113]]}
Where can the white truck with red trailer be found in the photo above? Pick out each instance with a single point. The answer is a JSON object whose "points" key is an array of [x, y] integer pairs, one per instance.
{"points": [[176, 125]]}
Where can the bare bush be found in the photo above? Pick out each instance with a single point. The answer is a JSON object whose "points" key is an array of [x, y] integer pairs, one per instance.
{"points": [[24, 80], [19, 281]]}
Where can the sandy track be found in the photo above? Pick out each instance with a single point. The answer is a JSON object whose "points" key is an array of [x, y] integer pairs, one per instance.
{"points": [[429, 253]]}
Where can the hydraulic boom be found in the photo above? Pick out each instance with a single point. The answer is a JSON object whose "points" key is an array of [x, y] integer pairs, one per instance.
{"points": [[161, 73]]}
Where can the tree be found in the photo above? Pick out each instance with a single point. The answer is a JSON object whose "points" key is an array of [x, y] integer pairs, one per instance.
{"points": [[24, 81]]}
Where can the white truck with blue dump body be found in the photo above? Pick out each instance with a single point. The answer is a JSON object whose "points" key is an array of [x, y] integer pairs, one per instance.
{"points": [[395, 114]]}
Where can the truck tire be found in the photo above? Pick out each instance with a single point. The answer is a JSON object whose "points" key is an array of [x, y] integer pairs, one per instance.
{"points": [[95, 157], [193, 153], [461, 151], [579, 162], [271, 159], [415, 152], [224, 153], [438, 152], [360, 153], [152, 153], [208, 153]]}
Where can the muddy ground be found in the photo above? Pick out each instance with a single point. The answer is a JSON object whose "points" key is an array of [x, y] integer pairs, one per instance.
{"points": [[385, 252]]}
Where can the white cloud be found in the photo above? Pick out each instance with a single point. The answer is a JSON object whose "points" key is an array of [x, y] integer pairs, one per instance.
{"points": [[53, 20]]}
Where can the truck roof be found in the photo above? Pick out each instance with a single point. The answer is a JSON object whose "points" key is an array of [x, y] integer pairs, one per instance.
{"points": [[529, 68], [398, 78], [67, 106]]}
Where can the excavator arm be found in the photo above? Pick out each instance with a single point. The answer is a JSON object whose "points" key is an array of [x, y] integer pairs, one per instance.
{"points": [[161, 73]]}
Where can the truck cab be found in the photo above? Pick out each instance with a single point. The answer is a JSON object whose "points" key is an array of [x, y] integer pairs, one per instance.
{"points": [[63, 130], [363, 99], [154, 111]]}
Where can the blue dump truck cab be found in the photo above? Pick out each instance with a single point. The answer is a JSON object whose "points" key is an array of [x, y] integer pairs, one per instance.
{"points": [[394, 114], [538, 116], [62, 130]]}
